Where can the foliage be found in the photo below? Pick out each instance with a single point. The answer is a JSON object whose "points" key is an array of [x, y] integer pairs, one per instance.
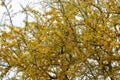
{"points": [[74, 39]]}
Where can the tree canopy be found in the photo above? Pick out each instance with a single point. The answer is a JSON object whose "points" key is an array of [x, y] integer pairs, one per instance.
{"points": [[71, 39]]}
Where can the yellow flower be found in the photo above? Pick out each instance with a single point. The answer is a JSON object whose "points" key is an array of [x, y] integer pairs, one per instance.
{"points": [[10, 6], [16, 30], [2, 3], [98, 37]]}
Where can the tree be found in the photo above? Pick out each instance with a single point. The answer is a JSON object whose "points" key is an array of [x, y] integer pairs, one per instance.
{"points": [[73, 39]]}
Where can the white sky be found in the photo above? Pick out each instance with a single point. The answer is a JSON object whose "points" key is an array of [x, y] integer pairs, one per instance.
{"points": [[17, 19]]}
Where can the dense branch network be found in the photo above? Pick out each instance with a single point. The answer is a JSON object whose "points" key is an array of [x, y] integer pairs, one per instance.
{"points": [[74, 39]]}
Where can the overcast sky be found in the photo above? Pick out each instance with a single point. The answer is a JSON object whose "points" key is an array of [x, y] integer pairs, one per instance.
{"points": [[17, 19]]}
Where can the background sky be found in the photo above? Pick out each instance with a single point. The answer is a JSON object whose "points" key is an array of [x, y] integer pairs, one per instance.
{"points": [[18, 18]]}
